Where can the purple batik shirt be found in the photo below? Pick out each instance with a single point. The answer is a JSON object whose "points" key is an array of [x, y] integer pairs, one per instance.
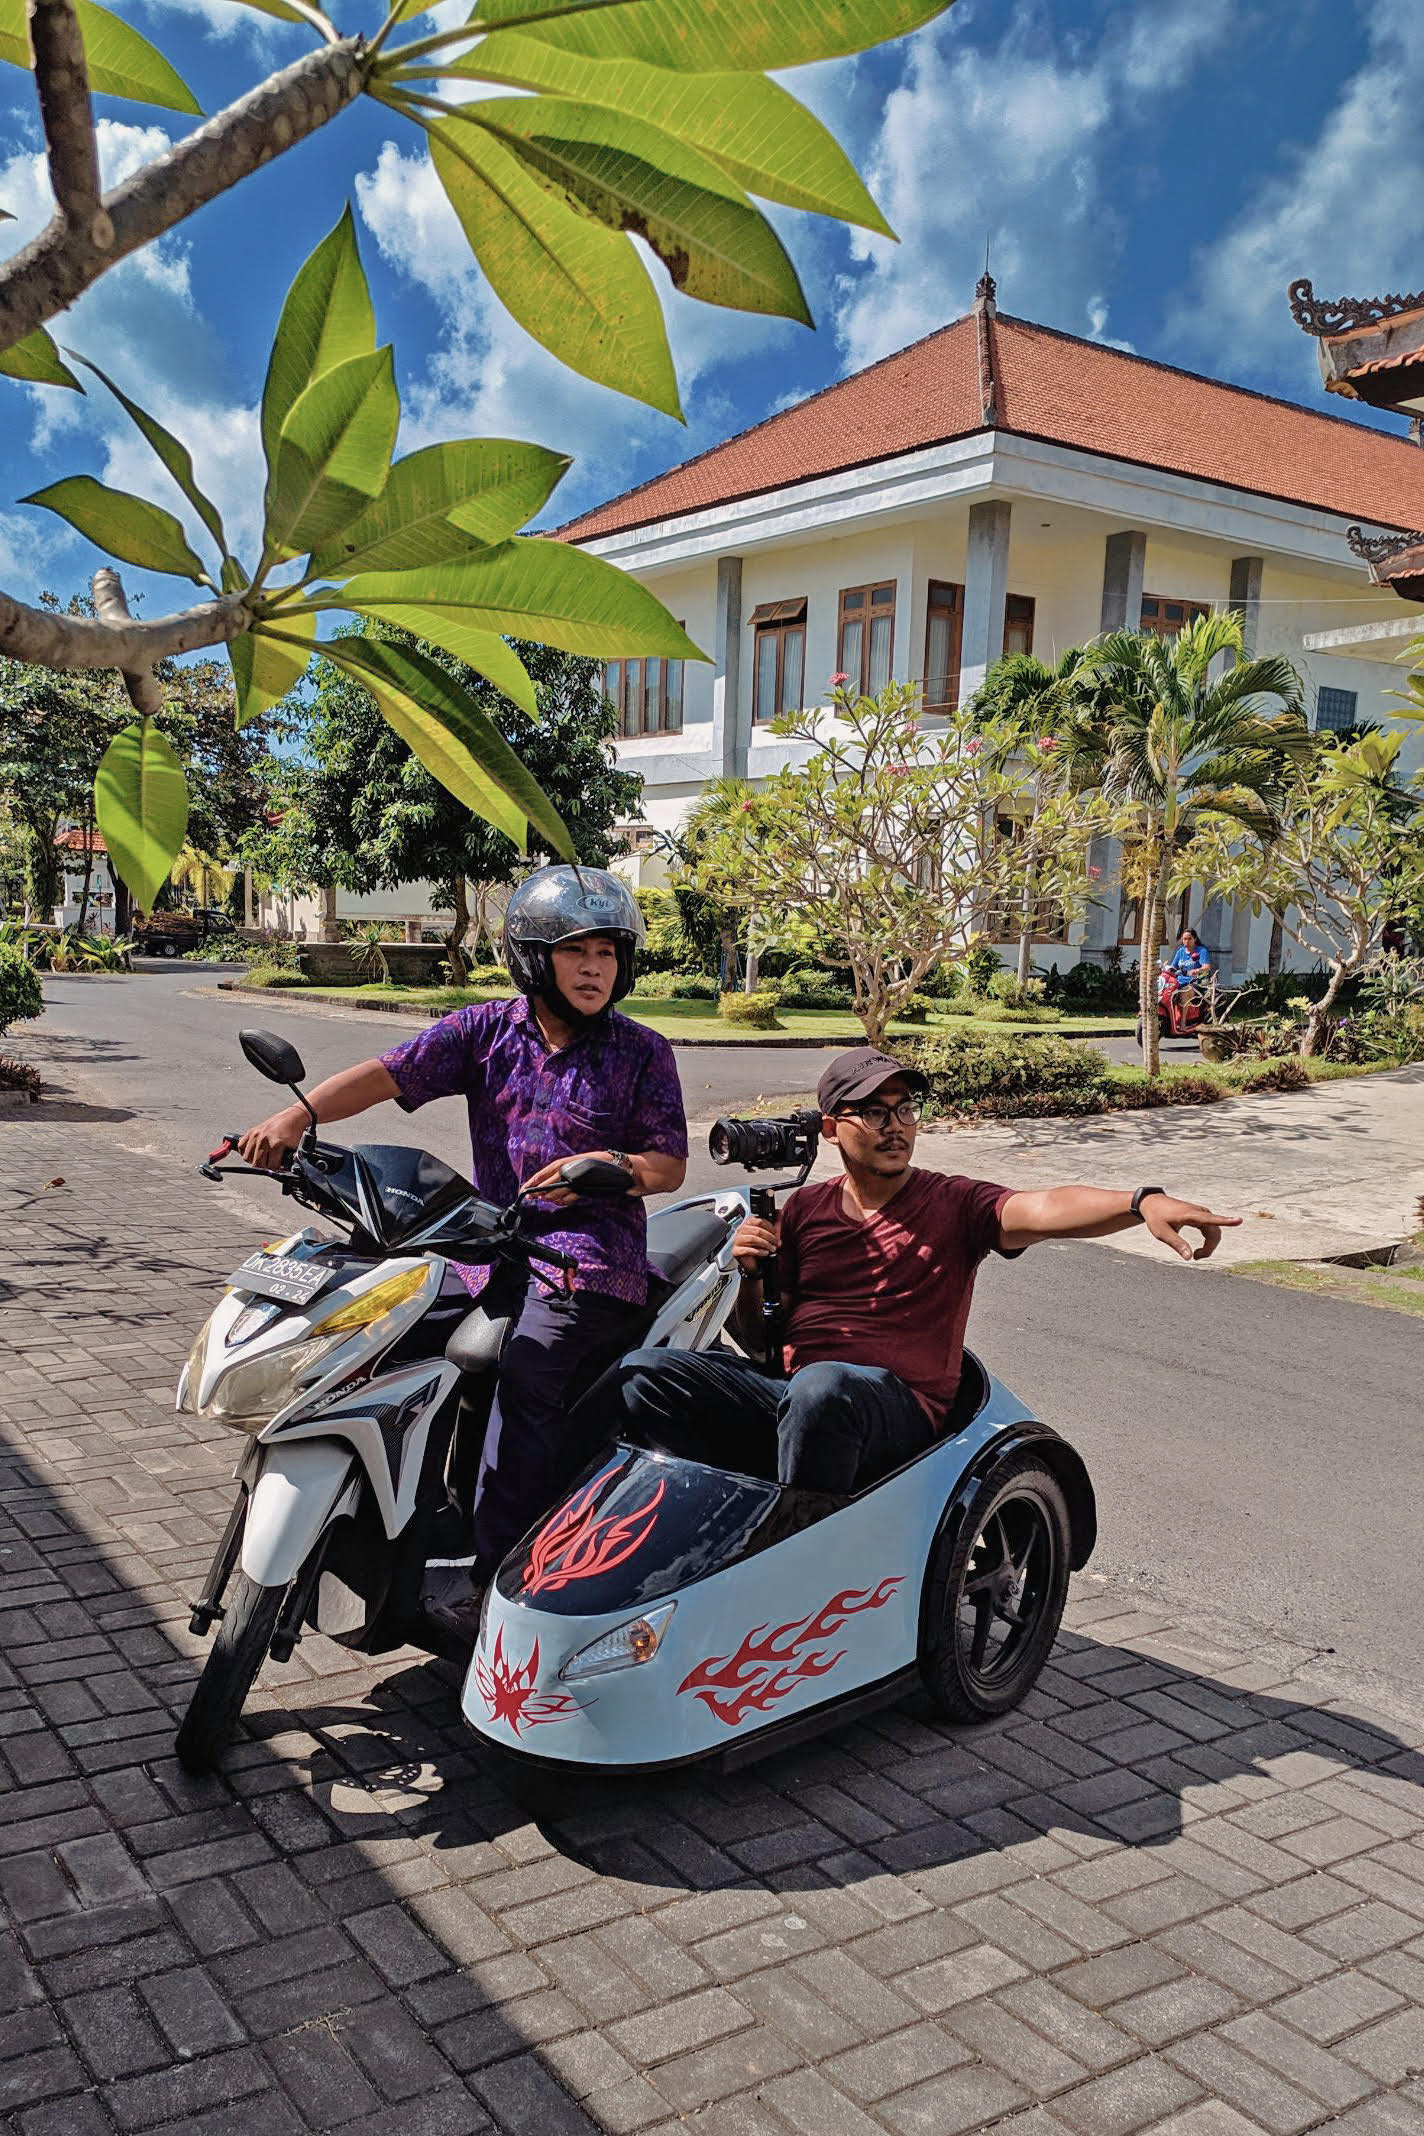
{"points": [[613, 1088]]}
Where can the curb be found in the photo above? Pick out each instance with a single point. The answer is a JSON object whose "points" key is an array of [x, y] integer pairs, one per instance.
{"points": [[336, 999]]}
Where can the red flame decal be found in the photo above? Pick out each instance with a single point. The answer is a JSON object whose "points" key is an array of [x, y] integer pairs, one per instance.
{"points": [[574, 1545], [770, 1664], [509, 1693]]}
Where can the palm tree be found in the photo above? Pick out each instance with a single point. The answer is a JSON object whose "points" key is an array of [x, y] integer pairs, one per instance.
{"points": [[1054, 714], [1182, 748]]}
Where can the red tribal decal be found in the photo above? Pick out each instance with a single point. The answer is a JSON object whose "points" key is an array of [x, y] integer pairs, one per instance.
{"points": [[769, 1664], [509, 1693], [573, 1545]]}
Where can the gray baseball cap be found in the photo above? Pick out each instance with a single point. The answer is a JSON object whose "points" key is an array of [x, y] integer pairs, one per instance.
{"points": [[859, 1074]]}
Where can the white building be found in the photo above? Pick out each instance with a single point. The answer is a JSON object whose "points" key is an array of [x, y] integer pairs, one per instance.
{"points": [[99, 913], [997, 486]]}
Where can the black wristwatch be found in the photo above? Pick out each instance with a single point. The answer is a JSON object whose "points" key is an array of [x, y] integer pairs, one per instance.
{"points": [[621, 1157], [1140, 1197]]}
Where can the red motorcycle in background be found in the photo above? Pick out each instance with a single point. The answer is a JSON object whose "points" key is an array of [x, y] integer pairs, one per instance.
{"points": [[1181, 1007]]}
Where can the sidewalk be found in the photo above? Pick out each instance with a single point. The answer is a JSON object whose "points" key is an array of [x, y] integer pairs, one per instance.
{"points": [[1181, 1891], [1331, 1170]]}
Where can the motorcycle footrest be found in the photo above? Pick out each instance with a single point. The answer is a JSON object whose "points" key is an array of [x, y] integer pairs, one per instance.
{"points": [[205, 1616]]}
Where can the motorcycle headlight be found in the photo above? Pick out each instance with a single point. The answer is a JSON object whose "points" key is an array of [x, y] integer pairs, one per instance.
{"points": [[248, 1396], [375, 1303], [623, 1648]]}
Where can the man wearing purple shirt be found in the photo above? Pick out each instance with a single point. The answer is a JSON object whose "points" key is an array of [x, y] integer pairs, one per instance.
{"points": [[551, 1075]]}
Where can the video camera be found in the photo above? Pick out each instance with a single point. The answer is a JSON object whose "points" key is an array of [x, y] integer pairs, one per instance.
{"points": [[764, 1145]]}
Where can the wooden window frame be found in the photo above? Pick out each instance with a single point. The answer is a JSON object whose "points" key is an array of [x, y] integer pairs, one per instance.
{"points": [[1156, 625], [1019, 608], [862, 614], [945, 598], [782, 621], [618, 677]]}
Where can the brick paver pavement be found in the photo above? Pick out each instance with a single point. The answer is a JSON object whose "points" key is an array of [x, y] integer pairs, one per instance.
{"points": [[1181, 1890]]}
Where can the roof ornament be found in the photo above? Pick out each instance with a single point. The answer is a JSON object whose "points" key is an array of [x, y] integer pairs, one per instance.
{"points": [[1323, 316], [985, 312], [1376, 549]]}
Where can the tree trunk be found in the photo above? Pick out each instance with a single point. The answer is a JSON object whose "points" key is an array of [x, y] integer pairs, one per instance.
{"points": [[249, 916], [1028, 901], [1315, 1023], [42, 874], [1153, 911], [123, 906], [89, 834], [455, 940]]}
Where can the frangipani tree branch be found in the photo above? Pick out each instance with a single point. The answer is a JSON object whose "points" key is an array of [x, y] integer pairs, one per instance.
{"points": [[43, 638], [62, 85], [110, 606], [63, 261]]}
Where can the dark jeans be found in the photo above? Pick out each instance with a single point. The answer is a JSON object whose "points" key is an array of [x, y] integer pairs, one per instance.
{"points": [[830, 1427], [534, 1448]]}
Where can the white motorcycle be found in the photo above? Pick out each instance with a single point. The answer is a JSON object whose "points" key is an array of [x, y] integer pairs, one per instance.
{"points": [[361, 1381]]}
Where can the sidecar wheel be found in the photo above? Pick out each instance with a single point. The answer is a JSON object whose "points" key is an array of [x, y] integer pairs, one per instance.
{"points": [[229, 1673], [995, 1595]]}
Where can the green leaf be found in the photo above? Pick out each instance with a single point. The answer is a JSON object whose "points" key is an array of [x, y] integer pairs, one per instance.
{"points": [[455, 741], [119, 61], [175, 457], [696, 38], [334, 452], [715, 245], [326, 320], [444, 501], [577, 287], [264, 668], [752, 127], [141, 806], [36, 360], [483, 650], [130, 528], [530, 588]]}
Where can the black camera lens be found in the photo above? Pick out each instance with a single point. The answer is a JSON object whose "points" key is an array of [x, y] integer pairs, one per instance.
{"points": [[758, 1145]]}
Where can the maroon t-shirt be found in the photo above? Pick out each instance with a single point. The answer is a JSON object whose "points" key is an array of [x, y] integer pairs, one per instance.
{"points": [[893, 1289]]}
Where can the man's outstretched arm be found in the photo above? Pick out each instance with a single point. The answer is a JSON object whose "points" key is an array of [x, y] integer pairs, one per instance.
{"points": [[349, 1091], [1097, 1212]]}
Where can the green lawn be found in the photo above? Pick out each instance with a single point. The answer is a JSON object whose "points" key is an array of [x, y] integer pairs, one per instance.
{"points": [[1395, 1290], [699, 1019]]}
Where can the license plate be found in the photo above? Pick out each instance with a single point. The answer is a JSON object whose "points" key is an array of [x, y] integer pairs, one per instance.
{"points": [[282, 1276]]}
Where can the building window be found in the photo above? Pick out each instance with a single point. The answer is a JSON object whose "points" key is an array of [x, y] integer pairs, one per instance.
{"points": [[1335, 710], [1018, 623], [866, 641], [1164, 618], [648, 695], [944, 644], [779, 668]]}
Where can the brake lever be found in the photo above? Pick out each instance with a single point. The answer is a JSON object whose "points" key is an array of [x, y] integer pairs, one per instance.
{"points": [[224, 1149]]}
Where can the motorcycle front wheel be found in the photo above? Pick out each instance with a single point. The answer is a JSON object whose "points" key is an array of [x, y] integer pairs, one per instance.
{"points": [[229, 1673]]}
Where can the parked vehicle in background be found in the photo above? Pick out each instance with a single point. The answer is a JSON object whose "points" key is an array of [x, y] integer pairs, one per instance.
{"points": [[171, 934]]}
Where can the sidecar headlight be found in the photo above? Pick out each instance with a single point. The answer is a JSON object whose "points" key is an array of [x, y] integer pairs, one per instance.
{"points": [[623, 1648]]}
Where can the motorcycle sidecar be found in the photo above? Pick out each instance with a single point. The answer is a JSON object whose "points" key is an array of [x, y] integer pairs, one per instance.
{"points": [[668, 1611]]}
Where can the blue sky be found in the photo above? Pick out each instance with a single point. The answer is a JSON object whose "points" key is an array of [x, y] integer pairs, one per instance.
{"points": [[1152, 172]]}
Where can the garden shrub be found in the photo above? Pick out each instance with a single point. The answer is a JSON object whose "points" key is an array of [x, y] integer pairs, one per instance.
{"points": [[807, 988], [1093, 986], [941, 982], [19, 1075], [1005, 987], [21, 996], [954, 1008], [488, 978], [1279, 1075], [964, 1070], [692, 986], [977, 967], [755, 1011], [666, 948], [916, 1010], [1031, 1012], [274, 975]]}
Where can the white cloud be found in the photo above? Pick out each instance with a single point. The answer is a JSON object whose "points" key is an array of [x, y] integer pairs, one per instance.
{"points": [[140, 322], [1007, 142], [1346, 209]]}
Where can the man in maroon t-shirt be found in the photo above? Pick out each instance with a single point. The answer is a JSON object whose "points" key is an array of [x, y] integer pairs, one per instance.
{"points": [[877, 1272]]}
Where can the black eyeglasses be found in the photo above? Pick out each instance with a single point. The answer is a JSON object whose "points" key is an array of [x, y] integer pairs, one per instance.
{"points": [[879, 1116]]}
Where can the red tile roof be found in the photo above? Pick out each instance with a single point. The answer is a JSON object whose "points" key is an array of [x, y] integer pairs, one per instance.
{"points": [[1056, 387]]}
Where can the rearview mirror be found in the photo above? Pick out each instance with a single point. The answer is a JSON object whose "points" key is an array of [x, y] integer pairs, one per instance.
{"points": [[272, 1056]]}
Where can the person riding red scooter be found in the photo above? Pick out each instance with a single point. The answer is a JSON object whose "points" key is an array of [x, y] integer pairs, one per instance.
{"points": [[1182, 1002]]}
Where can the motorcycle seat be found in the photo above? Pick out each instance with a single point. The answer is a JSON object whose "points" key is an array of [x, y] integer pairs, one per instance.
{"points": [[478, 1340], [680, 1240]]}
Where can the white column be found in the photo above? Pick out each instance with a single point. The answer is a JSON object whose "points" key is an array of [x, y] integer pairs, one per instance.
{"points": [[1245, 596], [731, 739], [1124, 562], [986, 581]]}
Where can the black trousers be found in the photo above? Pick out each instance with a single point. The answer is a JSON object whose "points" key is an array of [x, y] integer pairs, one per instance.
{"points": [[830, 1427], [535, 1445]]}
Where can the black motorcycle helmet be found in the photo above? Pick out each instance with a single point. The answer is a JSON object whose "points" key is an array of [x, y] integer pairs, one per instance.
{"points": [[559, 904]]}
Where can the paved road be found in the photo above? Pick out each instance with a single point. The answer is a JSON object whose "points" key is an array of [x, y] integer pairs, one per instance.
{"points": [[1257, 1452]]}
